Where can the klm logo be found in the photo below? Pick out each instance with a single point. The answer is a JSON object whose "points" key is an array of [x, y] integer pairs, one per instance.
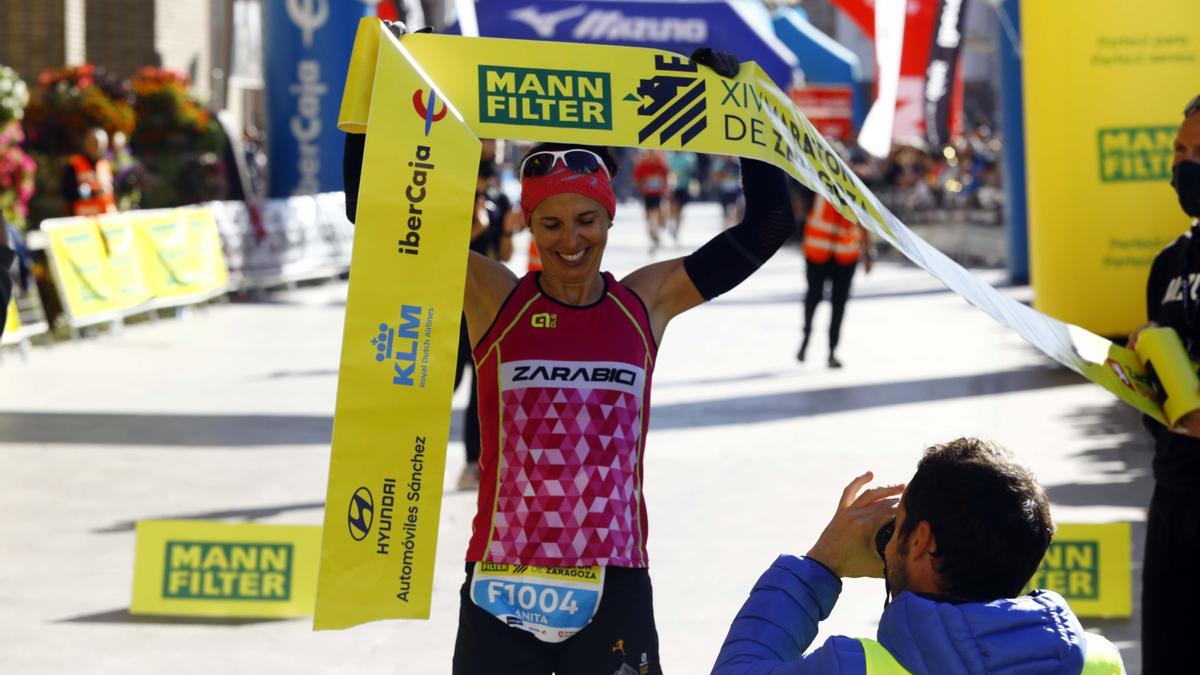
{"points": [[399, 345]]}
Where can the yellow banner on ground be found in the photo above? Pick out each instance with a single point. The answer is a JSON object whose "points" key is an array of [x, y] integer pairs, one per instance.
{"points": [[425, 99], [1105, 88], [1091, 567], [181, 252], [83, 274], [121, 240], [198, 568]]}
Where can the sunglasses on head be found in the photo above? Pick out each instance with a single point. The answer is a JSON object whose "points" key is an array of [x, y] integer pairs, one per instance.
{"points": [[1193, 107], [577, 160]]}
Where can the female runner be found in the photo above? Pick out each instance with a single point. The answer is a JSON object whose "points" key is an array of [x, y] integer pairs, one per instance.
{"points": [[557, 565]]}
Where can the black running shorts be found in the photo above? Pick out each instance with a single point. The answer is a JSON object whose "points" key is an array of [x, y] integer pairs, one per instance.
{"points": [[620, 640]]}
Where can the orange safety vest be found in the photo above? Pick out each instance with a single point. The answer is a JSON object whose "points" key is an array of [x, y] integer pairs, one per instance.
{"points": [[535, 257], [828, 234], [95, 185]]}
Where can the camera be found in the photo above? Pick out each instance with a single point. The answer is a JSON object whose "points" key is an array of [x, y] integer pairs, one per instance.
{"points": [[883, 536]]}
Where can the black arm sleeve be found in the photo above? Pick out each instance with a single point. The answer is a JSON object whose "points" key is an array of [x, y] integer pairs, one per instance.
{"points": [[352, 159], [1156, 287], [731, 257], [1156, 284]]}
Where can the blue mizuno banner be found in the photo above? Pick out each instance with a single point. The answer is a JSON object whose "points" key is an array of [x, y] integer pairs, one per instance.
{"points": [[675, 26], [307, 51]]}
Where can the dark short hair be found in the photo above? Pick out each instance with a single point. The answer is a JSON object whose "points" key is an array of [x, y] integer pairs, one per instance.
{"points": [[988, 514], [604, 151]]}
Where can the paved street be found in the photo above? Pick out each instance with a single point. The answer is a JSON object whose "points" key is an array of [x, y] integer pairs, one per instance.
{"points": [[226, 414]]}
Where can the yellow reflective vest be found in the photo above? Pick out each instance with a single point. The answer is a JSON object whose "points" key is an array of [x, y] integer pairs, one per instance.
{"points": [[1102, 658]]}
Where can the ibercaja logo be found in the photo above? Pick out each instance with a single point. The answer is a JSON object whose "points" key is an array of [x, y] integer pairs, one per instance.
{"points": [[425, 103]]}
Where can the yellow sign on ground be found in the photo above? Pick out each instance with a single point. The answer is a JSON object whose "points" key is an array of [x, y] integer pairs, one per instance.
{"points": [[197, 568], [1091, 567], [82, 271], [121, 240], [1105, 89], [181, 252], [423, 101]]}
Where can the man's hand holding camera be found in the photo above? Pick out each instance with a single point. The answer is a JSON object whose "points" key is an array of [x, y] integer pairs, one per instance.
{"points": [[847, 546]]}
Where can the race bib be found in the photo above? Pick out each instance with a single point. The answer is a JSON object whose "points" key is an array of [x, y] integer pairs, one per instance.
{"points": [[553, 603]]}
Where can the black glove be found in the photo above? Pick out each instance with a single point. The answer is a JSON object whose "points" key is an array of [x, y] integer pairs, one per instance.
{"points": [[724, 63], [398, 28], [352, 159]]}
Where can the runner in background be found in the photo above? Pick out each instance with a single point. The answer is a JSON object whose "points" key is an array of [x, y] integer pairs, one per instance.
{"points": [[683, 174], [727, 179], [832, 248], [651, 175]]}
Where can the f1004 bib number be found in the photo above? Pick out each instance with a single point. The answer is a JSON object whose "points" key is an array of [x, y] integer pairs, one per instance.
{"points": [[553, 603]]}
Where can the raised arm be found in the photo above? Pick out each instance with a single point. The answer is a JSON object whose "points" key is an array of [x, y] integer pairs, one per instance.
{"points": [[779, 620]]}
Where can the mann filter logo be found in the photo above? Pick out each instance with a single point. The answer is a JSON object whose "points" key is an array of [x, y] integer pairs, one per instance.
{"points": [[228, 571], [544, 320], [673, 100], [400, 345], [1071, 569], [1136, 153], [425, 110], [546, 98], [361, 513]]}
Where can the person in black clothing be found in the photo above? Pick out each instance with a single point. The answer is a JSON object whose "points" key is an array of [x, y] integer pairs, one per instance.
{"points": [[1170, 583], [7, 256]]}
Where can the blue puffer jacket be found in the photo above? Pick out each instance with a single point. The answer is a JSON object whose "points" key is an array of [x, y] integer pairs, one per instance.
{"points": [[1036, 633]]}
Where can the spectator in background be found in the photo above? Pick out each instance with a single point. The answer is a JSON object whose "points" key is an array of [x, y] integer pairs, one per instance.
{"points": [[7, 256], [683, 174], [650, 174], [1170, 586], [833, 246], [87, 179]]}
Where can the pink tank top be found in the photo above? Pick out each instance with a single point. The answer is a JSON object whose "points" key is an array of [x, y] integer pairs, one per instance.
{"points": [[564, 405]]}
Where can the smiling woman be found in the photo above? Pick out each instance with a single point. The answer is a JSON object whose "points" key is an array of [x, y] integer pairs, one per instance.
{"points": [[557, 564]]}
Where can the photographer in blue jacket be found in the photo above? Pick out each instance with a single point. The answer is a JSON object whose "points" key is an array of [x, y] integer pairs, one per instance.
{"points": [[956, 547]]}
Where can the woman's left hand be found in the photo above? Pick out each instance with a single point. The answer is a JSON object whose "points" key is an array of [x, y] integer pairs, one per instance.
{"points": [[724, 63]]}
